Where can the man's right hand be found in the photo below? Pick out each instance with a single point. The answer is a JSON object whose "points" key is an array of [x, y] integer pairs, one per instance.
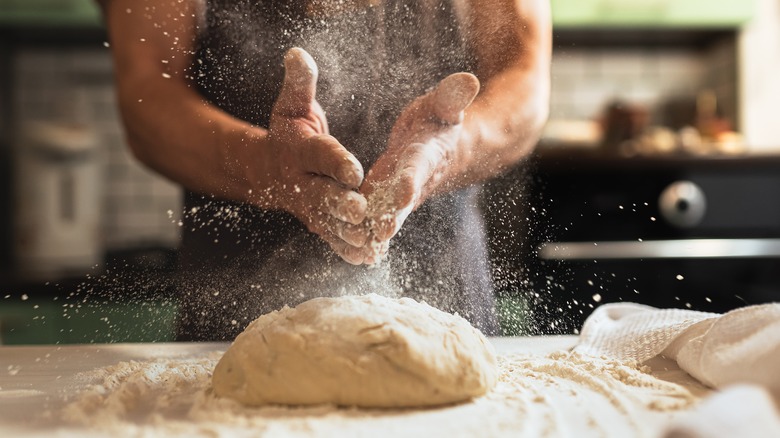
{"points": [[303, 170]]}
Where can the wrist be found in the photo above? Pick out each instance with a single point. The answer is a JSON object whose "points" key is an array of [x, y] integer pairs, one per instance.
{"points": [[245, 163]]}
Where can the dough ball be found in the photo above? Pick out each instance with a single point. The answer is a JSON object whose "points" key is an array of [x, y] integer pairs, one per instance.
{"points": [[367, 351]]}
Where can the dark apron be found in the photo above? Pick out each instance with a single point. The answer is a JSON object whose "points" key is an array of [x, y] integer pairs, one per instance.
{"points": [[237, 261]]}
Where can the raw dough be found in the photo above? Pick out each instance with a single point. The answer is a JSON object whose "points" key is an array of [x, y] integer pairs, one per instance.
{"points": [[368, 351]]}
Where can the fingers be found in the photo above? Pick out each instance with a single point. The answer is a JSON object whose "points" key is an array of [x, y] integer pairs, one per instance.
{"points": [[391, 201], [354, 243], [378, 250], [387, 225], [324, 155], [355, 235], [347, 206], [340, 220], [333, 199], [452, 96], [350, 254], [333, 210], [369, 254], [354, 254], [300, 84]]}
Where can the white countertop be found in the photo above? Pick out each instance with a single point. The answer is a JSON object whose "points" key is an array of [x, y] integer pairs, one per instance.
{"points": [[37, 381]]}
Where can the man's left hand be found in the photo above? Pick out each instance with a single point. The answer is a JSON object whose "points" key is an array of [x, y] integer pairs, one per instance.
{"points": [[422, 145]]}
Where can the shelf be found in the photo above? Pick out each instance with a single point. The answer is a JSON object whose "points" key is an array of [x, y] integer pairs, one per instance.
{"points": [[649, 14], [567, 14], [617, 38]]}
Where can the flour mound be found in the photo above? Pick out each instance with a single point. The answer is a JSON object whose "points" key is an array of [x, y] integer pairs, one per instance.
{"points": [[367, 351]]}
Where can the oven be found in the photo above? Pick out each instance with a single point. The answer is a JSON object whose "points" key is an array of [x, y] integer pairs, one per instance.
{"points": [[687, 232]]}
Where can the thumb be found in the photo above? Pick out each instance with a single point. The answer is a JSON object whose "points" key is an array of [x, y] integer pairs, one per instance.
{"points": [[300, 83], [452, 96]]}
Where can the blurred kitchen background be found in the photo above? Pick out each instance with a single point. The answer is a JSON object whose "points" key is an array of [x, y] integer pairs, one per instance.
{"points": [[663, 128]]}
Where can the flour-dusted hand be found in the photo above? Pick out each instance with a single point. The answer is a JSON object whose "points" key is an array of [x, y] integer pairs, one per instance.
{"points": [[421, 146], [305, 171]]}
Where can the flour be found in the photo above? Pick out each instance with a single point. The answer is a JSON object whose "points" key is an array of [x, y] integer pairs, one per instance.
{"points": [[562, 394], [140, 391], [382, 214]]}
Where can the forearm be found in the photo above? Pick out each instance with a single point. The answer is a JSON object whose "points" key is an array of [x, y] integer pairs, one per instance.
{"points": [[171, 129], [502, 126], [169, 126], [504, 122]]}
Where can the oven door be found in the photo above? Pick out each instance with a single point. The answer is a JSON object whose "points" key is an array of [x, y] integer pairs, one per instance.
{"points": [[678, 232]]}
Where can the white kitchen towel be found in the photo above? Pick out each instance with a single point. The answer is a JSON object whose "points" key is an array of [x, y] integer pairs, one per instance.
{"points": [[737, 411], [741, 346]]}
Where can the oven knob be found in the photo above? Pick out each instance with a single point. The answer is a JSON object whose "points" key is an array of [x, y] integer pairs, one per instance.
{"points": [[683, 204]]}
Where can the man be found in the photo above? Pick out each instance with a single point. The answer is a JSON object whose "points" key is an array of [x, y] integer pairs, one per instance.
{"points": [[381, 140]]}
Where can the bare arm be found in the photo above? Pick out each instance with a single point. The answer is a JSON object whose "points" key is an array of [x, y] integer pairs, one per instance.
{"points": [[512, 40], [169, 126], [293, 166]]}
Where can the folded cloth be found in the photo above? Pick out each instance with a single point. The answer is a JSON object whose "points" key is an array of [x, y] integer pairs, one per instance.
{"points": [[741, 346], [737, 411]]}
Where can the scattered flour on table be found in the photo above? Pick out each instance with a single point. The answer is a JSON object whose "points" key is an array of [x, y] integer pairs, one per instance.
{"points": [[562, 394]]}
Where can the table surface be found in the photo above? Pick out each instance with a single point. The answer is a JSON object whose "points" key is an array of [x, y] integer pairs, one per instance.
{"points": [[45, 369], [38, 380]]}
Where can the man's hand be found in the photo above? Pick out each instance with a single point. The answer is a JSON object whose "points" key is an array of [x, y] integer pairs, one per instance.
{"points": [[422, 143], [306, 172]]}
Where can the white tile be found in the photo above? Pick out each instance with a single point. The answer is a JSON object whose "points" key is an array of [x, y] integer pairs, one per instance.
{"points": [[627, 63]]}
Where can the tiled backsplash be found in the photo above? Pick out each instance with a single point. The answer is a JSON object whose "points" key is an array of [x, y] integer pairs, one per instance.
{"points": [[585, 80], [76, 85]]}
